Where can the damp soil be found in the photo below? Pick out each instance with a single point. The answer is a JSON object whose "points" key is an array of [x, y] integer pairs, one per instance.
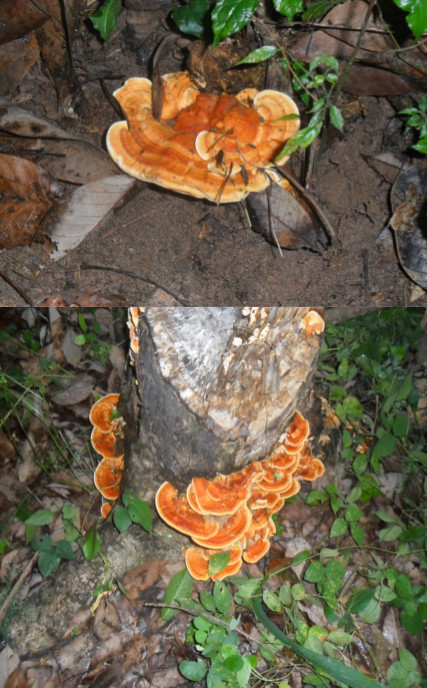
{"points": [[161, 248]]}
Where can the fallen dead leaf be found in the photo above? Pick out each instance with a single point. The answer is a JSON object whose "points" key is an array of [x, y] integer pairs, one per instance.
{"points": [[27, 194], [409, 222], [16, 58], [283, 218], [19, 18]]}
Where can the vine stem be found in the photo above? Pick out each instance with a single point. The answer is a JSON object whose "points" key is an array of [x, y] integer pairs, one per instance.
{"points": [[337, 670]]}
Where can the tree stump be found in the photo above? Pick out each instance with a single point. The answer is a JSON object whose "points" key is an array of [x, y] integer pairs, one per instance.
{"points": [[216, 387], [211, 390]]}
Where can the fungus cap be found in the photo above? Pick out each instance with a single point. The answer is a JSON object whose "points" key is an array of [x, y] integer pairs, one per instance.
{"points": [[202, 140], [197, 562], [177, 513], [107, 478], [298, 431], [105, 443], [100, 413], [313, 323], [229, 532]]}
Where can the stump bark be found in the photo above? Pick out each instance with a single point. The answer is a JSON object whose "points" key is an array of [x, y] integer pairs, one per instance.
{"points": [[211, 390]]}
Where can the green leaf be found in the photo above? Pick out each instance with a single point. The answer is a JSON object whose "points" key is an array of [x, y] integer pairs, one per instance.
{"points": [[411, 622], [42, 544], [91, 544], [401, 426], [192, 18], [289, 7], [417, 17], [82, 322], [208, 601], [64, 549], [353, 513], [336, 117], [80, 340], [218, 562], [229, 16], [258, 55], [404, 587], [359, 600], [300, 557], [105, 21], [315, 572], [352, 408], [121, 518], [40, 518], [140, 513], [421, 146], [340, 637], [194, 671], [222, 597], [70, 513], [391, 533], [201, 623], [285, 594], [298, 591], [339, 527], [48, 563], [407, 659], [384, 447], [357, 533], [271, 600], [179, 586]]}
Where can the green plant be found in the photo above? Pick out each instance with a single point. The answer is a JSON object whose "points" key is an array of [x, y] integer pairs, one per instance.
{"points": [[104, 20], [417, 119], [91, 339]]}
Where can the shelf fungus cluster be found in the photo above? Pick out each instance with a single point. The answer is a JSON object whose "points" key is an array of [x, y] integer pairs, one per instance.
{"points": [[218, 147], [233, 513], [106, 434]]}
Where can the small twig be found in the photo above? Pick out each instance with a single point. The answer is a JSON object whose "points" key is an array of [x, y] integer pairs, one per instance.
{"points": [[18, 289], [6, 604], [85, 266], [366, 275], [310, 200]]}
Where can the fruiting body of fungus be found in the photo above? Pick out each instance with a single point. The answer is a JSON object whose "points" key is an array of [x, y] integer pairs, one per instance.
{"points": [[233, 513], [313, 323], [105, 435], [204, 145]]}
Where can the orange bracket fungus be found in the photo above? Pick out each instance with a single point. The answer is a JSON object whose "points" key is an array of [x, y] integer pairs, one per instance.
{"points": [[313, 323], [107, 430], [232, 513], [218, 147]]}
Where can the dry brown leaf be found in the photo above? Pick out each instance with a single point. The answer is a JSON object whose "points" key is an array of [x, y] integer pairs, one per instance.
{"points": [[75, 161], [19, 17], [55, 38], [73, 219], [80, 390], [26, 192], [16, 58], [16, 120], [279, 213], [409, 223]]}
